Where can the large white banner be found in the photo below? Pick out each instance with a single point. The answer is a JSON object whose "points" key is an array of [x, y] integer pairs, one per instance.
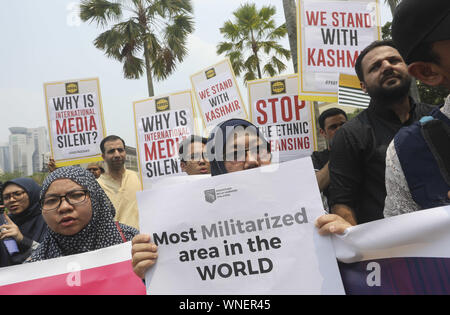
{"points": [[161, 123], [249, 232], [286, 121], [405, 254], [331, 34], [75, 120]]}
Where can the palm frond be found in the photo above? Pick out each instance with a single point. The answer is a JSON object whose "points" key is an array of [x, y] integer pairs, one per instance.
{"points": [[100, 11]]}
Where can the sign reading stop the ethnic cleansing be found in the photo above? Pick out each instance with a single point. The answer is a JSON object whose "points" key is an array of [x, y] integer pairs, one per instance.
{"points": [[286, 121]]}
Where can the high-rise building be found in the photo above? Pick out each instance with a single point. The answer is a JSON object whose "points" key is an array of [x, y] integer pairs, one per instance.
{"points": [[27, 149], [5, 161]]}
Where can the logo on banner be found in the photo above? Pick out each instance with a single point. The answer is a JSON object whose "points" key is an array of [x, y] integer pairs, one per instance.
{"points": [[162, 104], [210, 195], [72, 88], [278, 87], [211, 73]]}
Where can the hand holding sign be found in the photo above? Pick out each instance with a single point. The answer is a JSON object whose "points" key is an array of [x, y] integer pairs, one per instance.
{"points": [[144, 254]]}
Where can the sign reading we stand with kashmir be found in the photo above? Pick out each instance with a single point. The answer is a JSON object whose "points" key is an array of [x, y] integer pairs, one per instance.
{"points": [[161, 123], [331, 35], [286, 121], [75, 120], [218, 94]]}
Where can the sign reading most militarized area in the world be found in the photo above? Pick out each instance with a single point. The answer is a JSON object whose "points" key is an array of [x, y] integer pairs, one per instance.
{"points": [[161, 123], [286, 121], [75, 120], [248, 232], [331, 36]]}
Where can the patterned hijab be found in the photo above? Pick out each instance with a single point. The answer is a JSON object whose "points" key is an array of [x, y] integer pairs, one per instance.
{"points": [[100, 232]]}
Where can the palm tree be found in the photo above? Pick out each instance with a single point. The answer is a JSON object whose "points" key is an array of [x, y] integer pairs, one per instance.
{"points": [[156, 30], [253, 42]]}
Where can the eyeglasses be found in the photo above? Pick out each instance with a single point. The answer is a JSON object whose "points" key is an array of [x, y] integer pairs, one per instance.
{"points": [[198, 157], [240, 156], [52, 202], [18, 195]]}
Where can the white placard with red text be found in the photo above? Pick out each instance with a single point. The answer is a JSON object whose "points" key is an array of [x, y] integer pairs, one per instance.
{"points": [[75, 120], [161, 123], [247, 232], [218, 95], [331, 34], [286, 121]]}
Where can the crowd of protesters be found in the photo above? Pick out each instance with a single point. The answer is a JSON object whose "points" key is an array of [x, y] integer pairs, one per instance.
{"points": [[393, 158]]}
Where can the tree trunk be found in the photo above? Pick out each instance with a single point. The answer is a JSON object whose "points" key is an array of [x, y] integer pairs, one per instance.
{"points": [[290, 13], [148, 70]]}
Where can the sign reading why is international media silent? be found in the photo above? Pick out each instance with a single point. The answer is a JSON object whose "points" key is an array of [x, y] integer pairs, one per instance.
{"points": [[248, 232], [161, 124], [75, 120]]}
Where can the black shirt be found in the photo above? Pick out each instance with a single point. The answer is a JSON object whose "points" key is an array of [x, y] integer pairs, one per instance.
{"points": [[319, 160], [358, 159]]}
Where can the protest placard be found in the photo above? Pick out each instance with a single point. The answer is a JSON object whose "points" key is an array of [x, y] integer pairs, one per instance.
{"points": [[107, 271], [75, 120], [161, 123], [248, 232], [218, 94], [405, 254], [287, 122], [331, 34]]}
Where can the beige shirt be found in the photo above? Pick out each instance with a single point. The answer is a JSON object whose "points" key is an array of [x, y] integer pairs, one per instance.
{"points": [[123, 196]]}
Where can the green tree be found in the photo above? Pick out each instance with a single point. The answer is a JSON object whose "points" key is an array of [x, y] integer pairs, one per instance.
{"points": [[252, 42], [156, 30]]}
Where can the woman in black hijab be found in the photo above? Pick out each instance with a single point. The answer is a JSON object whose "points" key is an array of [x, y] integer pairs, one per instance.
{"points": [[24, 221], [236, 145]]}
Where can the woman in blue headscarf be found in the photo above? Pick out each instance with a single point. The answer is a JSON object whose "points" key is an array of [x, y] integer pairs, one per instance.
{"points": [[237, 145], [24, 223]]}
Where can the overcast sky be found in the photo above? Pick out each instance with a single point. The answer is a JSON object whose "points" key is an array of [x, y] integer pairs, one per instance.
{"points": [[42, 42]]}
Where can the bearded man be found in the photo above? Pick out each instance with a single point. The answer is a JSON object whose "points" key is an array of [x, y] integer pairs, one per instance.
{"points": [[357, 160]]}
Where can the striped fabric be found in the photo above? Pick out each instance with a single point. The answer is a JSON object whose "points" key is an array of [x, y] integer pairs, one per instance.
{"points": [[350, 93]]}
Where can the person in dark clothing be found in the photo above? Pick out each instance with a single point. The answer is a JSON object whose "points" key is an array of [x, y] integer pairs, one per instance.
{"points": [[357, 160], [25, 222], [330, 121]]}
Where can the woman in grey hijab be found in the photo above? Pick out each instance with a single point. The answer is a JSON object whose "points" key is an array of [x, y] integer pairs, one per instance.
{"points": [[79, 215]]}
